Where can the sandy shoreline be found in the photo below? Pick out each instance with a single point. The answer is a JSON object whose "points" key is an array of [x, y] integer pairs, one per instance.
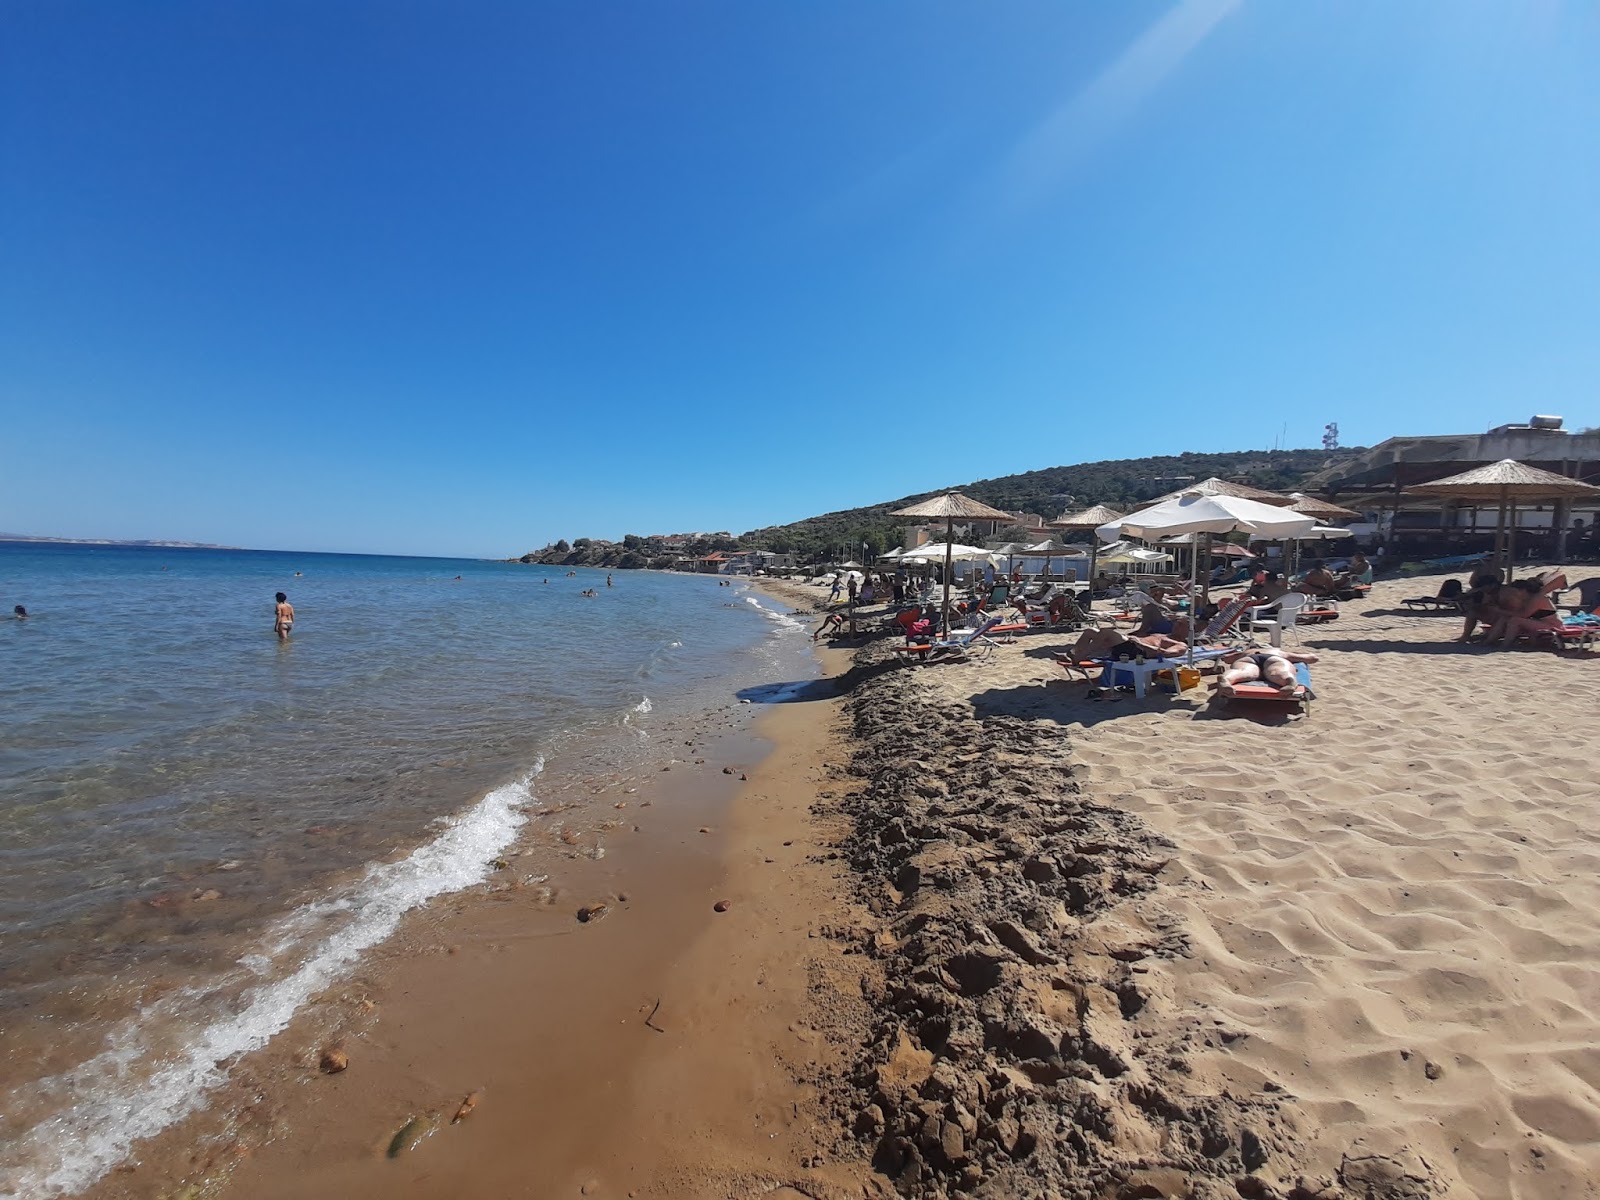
{"points": [[987, 936]]}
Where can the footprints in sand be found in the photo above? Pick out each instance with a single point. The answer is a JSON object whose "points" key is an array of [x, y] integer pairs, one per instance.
{"points": [[1410, 878], [1013, 1052]]}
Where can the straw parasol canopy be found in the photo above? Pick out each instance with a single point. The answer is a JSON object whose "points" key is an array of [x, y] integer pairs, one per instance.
{"points": [[1505, 483], [951, 507], [1087, 520], [1322, 510], [1221, 487]]}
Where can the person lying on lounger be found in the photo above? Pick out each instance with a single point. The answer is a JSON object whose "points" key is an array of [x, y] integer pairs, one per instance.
{"points": [[1270, 665], [1112, 643]]}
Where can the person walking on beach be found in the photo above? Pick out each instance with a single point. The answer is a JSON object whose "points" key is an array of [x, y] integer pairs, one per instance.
{"points": [[283, 618]]}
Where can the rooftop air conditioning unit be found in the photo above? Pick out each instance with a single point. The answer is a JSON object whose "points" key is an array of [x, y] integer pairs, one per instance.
{"points": [[1540, 422]]}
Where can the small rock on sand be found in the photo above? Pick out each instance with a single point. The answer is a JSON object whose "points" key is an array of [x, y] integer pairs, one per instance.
{"points": [[592, 912], [722, 905], [467, 1105], [333, 1060]]}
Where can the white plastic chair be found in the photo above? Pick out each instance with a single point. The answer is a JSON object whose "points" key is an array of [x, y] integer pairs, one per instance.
{"points": [[1283, 613]]}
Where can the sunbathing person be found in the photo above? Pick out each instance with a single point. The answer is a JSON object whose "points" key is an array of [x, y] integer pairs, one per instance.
{"points": [[1112, 643], [1318, 581], [1270, 665]]}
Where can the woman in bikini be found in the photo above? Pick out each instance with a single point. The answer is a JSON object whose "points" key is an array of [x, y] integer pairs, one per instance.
{"points": [[283, 618]]}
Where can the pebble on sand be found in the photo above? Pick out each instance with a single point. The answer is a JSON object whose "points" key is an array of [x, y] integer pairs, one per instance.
{"points": [[467, 1105], [592, 912], [334, 1059], [722, 905]]}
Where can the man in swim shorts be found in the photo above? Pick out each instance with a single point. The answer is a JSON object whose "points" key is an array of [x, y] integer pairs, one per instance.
{"points": [[283, 618], [1270, 665]]}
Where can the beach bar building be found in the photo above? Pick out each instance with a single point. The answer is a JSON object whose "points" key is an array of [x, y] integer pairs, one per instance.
{"points": [[1375, 483]]}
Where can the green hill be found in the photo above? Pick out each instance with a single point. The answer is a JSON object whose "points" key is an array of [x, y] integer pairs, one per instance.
{"points": [[1122, 483]]}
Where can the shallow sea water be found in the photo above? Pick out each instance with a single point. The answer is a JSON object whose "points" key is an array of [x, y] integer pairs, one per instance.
{"points": [[202, 827]]}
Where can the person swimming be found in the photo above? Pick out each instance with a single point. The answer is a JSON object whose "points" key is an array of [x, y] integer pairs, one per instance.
{"points": [[20, 613]]}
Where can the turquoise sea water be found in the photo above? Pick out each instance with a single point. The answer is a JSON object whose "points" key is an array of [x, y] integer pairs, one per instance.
{"points": [[182, 793]]}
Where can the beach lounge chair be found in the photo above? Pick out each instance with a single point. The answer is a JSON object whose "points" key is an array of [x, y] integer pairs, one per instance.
{"points": [[944, 649], [1448, 599], [1318, 612], [1225, 623], [1257, 692]]}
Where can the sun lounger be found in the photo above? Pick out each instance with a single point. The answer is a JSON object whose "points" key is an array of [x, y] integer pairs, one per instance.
{"points": [[940, 650], [1257, 691]]}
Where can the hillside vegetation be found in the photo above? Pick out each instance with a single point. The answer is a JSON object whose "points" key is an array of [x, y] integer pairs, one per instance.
{"points": [[1122, 483]]}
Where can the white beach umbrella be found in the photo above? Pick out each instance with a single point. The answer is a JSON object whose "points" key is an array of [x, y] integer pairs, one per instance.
{"points": [[1207, 514], [1194, 513]]}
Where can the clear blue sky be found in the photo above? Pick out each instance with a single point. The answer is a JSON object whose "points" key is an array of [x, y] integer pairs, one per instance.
{"points": [[467, 277]]}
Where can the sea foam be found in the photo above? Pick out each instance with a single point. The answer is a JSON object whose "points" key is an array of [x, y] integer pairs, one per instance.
{"points": [[131, 1090]]}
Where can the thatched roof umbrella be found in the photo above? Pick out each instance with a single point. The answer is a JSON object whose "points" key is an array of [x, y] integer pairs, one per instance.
{"points": [[1089, 520], [951, 506], [1221, 487], [1505, 483], [1323, 510]]}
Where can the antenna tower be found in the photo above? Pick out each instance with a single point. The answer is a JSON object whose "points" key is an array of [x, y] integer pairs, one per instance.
{"points": [[1330, 436]]}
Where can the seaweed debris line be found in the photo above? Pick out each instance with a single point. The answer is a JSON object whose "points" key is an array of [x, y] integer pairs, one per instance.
{"points": [[1019, 1047]]}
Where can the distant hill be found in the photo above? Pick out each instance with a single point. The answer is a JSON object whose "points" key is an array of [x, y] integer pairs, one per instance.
{"points": [[1122, 483], [60, 541]]}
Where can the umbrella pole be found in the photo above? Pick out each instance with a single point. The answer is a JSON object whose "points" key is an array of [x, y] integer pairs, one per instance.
{"points": [[944, 615], [1094, 552], [1511, 542], [1500, 541], [1194, 603]]}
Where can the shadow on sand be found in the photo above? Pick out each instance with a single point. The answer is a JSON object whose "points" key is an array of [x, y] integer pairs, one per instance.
{"points": [[1068, 703]]}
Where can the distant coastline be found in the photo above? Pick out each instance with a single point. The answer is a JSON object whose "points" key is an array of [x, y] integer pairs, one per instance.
{"points": [[154, 543]]}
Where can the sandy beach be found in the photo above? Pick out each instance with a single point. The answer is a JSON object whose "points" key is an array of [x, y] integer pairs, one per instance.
{"points": [[1344, 955], [963, 930]]}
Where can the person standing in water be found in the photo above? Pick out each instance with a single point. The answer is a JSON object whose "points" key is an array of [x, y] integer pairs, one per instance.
{"points": [[608, 581], [283, 618]]}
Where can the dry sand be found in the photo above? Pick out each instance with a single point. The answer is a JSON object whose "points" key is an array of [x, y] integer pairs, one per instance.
{"points": [[1369, 965]]}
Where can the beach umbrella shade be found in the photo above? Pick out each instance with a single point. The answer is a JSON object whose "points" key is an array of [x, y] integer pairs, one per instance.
{"points": [[1323, 510], [1087, 521], [1222, 487], [1505, 483], [1049, 548], [1193, 512], [950, 508], [1218, 549]]}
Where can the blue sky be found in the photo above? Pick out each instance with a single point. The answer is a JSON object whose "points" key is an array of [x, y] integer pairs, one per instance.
{"points": [[467, 277]]}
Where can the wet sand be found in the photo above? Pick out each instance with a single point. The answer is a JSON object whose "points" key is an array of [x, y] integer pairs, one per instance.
{"points": [[659, 1048]]}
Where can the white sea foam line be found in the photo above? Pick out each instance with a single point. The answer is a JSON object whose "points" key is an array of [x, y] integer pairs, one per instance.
{"points": [[782, 619], [643, 706], [67, 1153]]}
